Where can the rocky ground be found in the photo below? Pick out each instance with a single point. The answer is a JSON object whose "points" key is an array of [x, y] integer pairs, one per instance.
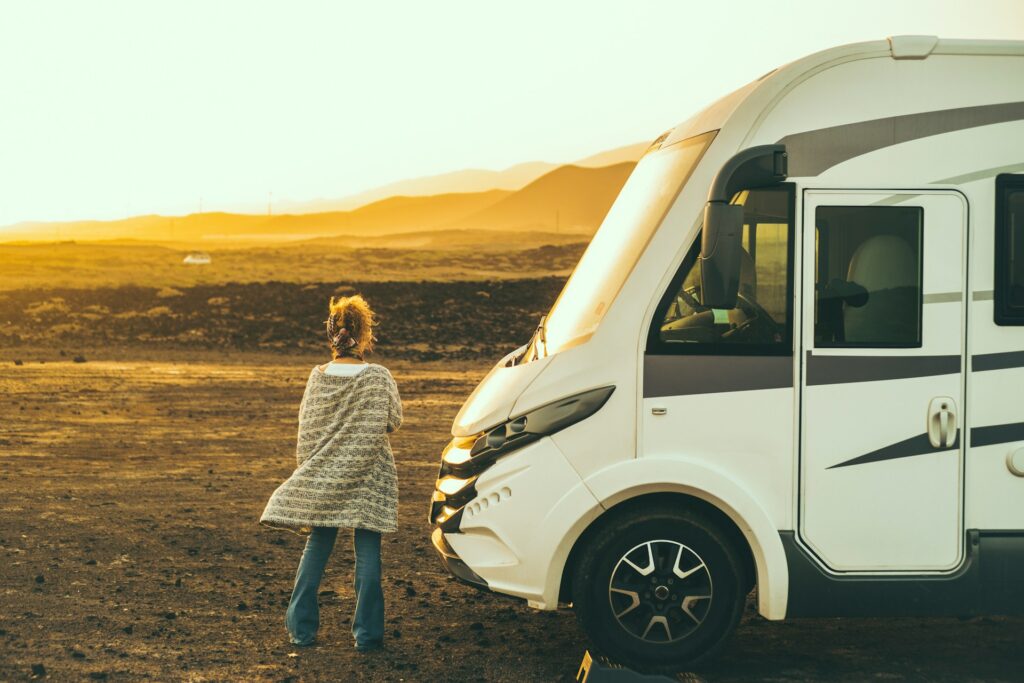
{"points": [[425, 320], [129, 493]]}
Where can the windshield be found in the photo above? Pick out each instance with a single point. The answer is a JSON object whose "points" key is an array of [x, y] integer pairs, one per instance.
{"points": [[618, 243]]}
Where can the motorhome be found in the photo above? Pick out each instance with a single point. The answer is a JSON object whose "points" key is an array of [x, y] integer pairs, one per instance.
{"points": [[791, 359]]}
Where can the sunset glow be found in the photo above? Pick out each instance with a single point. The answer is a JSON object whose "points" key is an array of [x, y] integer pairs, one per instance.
{"points": [[118, 109]]}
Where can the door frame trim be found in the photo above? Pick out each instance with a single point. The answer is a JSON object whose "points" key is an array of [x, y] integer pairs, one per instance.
{"points": [[804, 354]]}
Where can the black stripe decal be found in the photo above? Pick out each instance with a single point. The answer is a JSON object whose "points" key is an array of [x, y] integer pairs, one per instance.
{"points": [[915, 445], [846, 369], [996, 434], [919, 445], [997, 361], [815, 151], [670, 375]]}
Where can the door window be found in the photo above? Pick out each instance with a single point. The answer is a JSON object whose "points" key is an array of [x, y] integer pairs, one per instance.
{"points": [[761, 322], [1009, 292], [868, 276]]}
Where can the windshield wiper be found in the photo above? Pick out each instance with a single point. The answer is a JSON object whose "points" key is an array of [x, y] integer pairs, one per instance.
{"points": [[542, 333], [539, 337]]}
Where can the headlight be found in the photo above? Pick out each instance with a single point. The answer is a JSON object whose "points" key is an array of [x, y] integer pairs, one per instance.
{"points": [[521, 430], [451, 486], [458, 451]]}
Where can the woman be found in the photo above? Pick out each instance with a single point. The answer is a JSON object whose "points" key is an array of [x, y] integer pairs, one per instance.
{"points": [[345, 476]]}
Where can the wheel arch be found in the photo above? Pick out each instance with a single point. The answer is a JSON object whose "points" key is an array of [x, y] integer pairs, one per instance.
{"points": [[625, 487], [641, 501]]}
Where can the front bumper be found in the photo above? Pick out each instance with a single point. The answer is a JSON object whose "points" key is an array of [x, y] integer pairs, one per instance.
{"points": [[453, 563], [509, 529]]}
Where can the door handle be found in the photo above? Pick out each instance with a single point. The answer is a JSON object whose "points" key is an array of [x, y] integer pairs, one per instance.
{"points": [[942, 422]]}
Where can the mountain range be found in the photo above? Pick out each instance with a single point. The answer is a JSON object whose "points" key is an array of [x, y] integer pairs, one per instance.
{"points": [[535, 197]]}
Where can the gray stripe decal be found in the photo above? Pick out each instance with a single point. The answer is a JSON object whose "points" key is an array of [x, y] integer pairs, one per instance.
{"points": [[671, 375], [846, 369], [997, 361], [894, 200], [815, 151], [984, 295], [996, 434], [915, 445], [979, 175], [942, 297]]}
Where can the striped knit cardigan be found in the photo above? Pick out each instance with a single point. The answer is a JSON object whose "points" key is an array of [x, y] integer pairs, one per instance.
{"points": [[345, 474]]}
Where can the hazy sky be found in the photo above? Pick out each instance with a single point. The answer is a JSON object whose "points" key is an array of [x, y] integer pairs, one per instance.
{"points": [[119, 108]]}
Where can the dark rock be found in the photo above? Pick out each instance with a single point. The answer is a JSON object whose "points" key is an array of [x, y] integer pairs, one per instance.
{"points": [[476, 626], [396, 633], [38, 670], [81, 359], [410, 591], [170, 615], [90, 562], [77, 654], [98, 675], [40, 578], [18, 361], [128, 629], [241, 606]]}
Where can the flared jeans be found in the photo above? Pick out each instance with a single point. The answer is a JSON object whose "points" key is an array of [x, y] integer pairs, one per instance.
{"points": [[303, 615]]}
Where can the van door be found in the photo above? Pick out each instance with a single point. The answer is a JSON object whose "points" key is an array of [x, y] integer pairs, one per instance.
{"points": [[882, 382]]}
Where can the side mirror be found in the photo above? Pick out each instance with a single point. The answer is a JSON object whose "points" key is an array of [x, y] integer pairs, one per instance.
{"points": [[761, 166], [720, 254]]}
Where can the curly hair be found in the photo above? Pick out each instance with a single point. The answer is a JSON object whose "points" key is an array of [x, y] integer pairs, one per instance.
{"points": [[350, 326]]}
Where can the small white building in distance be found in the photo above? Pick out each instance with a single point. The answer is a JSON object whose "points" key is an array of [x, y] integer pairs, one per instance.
{"points": [[197, 258]]}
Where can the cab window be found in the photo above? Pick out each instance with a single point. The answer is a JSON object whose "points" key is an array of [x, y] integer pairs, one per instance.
{"points": [[761, 321]]}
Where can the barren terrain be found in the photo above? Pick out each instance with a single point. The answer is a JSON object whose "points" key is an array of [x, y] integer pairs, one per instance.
{"points": [[129, 495]]}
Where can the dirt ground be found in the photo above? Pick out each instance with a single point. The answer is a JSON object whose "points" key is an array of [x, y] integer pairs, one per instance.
{"points": [[129, 495]]}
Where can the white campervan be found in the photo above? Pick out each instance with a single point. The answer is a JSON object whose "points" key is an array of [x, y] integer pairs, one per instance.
{"points": [[792, 357]]}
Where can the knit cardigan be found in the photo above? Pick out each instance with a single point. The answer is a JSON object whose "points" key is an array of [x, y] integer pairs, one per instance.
{"points": [[345, 474]]}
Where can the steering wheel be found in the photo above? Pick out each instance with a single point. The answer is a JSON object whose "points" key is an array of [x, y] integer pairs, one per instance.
{"points": [[758, 326]]}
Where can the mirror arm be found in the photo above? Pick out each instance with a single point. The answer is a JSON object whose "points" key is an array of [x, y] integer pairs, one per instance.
{"points": [[720, 258], [760, 166]]}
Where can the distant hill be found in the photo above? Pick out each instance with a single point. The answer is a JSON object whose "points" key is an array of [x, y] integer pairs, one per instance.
{"points": [[472, 180], [615, 156], [392, 215], [439, 240], [569, 199], [545, 198]]}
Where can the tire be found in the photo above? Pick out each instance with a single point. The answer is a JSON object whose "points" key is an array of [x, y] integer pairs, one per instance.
{"points": [[659, 589]]}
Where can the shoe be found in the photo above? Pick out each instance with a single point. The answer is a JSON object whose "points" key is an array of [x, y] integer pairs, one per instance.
{"points": [[298, 643], [370, 647]]}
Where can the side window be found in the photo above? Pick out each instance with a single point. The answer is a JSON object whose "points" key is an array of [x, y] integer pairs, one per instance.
{"points": [[761, 322], [1009, 291], [868, 276]]}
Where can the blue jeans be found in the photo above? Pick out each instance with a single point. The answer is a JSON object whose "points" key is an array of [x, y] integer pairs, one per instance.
{"points": [[303, 616]]}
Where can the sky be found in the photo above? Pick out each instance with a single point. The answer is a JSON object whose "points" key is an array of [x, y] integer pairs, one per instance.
{"points": [[113, 109]]}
